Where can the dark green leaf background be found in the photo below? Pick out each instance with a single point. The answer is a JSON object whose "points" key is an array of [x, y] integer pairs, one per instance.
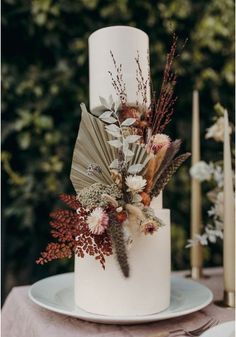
{"points": [[44, 79]]}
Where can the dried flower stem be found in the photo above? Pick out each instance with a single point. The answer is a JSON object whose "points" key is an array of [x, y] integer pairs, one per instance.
{"points": [[142, 84], [118, 81], [163, 108]]}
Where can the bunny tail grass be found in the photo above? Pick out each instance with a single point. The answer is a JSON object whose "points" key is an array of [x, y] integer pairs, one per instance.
{"points": [[117, 235]]}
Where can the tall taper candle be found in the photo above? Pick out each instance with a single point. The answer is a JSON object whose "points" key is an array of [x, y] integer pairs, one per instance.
{"points": [[229, 223], [196, 251]]}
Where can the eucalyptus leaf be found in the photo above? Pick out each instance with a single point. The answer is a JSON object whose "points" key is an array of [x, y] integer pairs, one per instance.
{"points": [[128, 122], [104, 102], [109, 120], [113, 128], [136, 168], [110, 102], [114, 134], [116, 143], [114, 164], [132, 138], [128, 153], [125, 146], [105, 114], [117, 105]]}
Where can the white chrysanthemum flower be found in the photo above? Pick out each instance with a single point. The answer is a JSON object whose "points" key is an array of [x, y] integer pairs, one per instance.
{"points": [[201, 171], [135, 183], [97, 221], [216, 131]]}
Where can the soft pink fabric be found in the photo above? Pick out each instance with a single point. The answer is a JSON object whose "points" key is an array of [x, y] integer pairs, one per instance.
{"points": [[22, 318]]}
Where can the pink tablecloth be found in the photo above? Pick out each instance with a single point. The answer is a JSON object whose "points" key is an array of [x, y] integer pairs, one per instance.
{"points": [[22, 318]]}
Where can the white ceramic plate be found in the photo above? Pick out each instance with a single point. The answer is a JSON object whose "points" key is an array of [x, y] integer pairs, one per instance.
{"points": [[55, 293], [222, 330]]}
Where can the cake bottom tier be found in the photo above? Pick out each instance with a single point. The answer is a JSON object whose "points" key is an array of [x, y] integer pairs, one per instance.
{"points": [[146, 291]]}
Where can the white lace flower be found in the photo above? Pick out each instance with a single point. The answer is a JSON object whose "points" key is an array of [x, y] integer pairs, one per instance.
{"points": [[219, 205], [135, 183], [97, 221], [219, 176], [201, 171], [216, 131], [213, 234], [202, 239]]}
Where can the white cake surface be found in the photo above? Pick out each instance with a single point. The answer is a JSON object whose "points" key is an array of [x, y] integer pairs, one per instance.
{"points": [[146, 291], [124, 42]]}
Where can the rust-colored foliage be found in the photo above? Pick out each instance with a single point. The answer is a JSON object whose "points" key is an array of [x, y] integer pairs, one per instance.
{"points": [[73, 236]]}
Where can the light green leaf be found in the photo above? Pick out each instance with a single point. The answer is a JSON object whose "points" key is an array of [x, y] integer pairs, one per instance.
{"points": [[105, 114], [116, 143], [132, 138], [128, 122], [109, 120], [128, 153], [117, 105], [114, 134], [114, 164], [104, 102], [113, 128], [110, 101], [136, 168]]}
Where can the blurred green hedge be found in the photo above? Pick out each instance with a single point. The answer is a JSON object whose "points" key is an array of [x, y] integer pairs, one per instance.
{"points": [[45, 77]]}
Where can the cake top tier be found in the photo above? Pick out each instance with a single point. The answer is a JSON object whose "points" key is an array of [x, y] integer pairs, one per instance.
{"points": [[120, 44]]}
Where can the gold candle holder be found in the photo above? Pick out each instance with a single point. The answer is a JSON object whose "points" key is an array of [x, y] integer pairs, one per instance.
{"points": [[229, 299], [196, 273]]}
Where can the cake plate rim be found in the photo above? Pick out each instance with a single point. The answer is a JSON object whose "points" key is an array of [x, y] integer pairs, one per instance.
{"points": [[60, 285]]}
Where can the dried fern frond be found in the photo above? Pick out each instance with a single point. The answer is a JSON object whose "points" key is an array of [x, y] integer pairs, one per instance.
{"points": [[167, 174], [73, 236]]}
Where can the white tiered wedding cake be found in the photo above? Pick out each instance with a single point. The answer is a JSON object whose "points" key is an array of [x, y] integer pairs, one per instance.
{"points": [[115, 225], [147, 289]]}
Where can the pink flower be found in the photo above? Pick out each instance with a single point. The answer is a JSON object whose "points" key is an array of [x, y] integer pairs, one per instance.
{"points": [[97, 221], [148, 227], [157, 142]]}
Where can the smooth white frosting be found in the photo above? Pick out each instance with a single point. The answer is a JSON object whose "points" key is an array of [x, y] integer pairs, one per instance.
{"points": [[124, 42], [146, 291]]}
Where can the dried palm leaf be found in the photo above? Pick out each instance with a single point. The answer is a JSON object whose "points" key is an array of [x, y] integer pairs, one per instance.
{"points": [[92, 147]]}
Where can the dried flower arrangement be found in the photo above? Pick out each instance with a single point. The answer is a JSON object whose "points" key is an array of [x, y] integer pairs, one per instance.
{"points": [[116, 181]]}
